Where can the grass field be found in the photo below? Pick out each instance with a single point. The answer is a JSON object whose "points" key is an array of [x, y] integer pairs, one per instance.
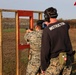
{"points": [[9, 51]]}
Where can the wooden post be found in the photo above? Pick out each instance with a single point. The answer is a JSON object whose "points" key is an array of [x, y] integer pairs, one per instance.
{"points": [[17, 42], [0, 42], [40, 16]]}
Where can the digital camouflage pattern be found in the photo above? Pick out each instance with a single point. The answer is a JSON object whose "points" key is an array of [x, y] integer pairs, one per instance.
{"points": [[67, 70], [55, 68], [34, 38]]}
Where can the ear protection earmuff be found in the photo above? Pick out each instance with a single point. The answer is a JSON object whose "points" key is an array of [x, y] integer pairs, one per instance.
{"points": [[46, 17], [44, 25], [50, 13]]}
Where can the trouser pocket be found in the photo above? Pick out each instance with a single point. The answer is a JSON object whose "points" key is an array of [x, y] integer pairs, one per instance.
{"points": [[62, 58]]}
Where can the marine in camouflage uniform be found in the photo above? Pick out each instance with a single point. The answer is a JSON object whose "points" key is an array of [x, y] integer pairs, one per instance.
{"points": [[34, 38]]}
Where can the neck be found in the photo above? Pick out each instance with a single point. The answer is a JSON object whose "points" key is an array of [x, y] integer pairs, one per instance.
{"points": [[53, 20], [38, 29]]}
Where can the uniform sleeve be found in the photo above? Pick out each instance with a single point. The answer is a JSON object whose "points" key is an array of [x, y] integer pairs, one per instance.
{"points": [[45, 47], [27, 36]]}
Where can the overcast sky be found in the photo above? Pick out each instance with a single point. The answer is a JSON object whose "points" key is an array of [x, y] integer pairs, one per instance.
{"points": [[66, 8]]}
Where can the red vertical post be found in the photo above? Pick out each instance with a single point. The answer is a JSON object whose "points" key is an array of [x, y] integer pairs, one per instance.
{"points": [[31, 23]]}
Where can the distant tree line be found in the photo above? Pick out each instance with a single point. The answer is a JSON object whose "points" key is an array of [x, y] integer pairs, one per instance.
{"points": [[24, 23], [72, 22]]}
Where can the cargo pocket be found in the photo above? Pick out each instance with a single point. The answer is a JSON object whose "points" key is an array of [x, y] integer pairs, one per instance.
{"points": [[62, 58]]}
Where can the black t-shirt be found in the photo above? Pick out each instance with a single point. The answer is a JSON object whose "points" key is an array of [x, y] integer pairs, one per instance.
{"points": [[55, 39]]}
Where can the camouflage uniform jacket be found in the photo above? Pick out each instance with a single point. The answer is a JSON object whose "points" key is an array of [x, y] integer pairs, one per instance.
{"points": [[34, 39]]}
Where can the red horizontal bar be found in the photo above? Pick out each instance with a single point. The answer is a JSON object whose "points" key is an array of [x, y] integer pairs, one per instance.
{"points": [[25, 13], [21, 47]]}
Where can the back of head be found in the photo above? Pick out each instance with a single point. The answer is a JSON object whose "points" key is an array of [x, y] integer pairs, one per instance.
{"points": [[39, 23], [50, 13]]}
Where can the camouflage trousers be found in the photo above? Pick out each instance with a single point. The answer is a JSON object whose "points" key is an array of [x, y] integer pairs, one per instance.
{"points": [[67, 70], [55, 68], [33, 65]]}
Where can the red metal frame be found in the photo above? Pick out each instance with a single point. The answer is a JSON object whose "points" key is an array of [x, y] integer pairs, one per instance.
{"points": [[22, 13]]}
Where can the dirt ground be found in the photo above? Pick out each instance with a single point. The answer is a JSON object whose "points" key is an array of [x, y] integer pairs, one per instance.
{"points": [[72, 33], [9, 52]]}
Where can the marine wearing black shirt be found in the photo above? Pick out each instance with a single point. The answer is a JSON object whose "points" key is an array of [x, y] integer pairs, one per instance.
{"points": [[55, 39]]}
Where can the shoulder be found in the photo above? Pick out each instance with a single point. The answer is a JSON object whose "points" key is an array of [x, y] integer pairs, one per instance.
{"points": [[36, 33], [67, 25]]}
